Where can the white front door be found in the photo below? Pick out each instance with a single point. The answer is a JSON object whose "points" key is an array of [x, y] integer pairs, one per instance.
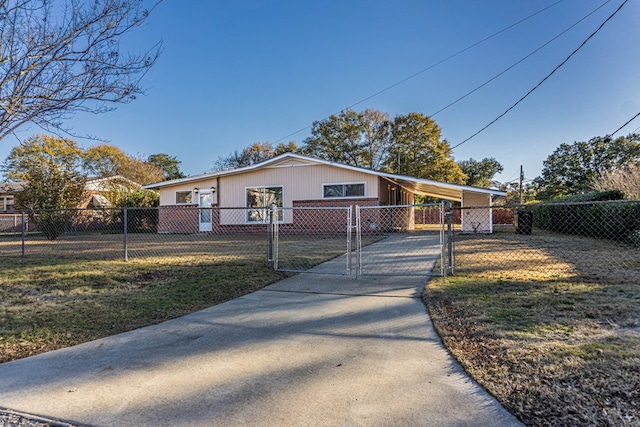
{"points": [[205, 199]]}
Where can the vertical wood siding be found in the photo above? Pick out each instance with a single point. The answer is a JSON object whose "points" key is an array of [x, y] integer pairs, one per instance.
{"points": [[168, 194], [299, 182]]}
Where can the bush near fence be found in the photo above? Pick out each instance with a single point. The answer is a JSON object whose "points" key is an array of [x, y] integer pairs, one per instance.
{"points": [[617, 220]]}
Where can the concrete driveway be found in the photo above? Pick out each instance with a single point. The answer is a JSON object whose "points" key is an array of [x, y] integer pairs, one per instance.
{"points": [[311, 350]]}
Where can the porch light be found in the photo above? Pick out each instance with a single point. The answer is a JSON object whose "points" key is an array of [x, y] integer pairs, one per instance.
{"points": [[213, 189], [196, 189]]}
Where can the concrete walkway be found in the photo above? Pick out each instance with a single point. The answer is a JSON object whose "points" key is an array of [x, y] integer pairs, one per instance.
{"points": [[311, 350]]}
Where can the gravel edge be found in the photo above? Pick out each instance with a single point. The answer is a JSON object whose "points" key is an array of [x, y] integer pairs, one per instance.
{"points": [[10, 418]]}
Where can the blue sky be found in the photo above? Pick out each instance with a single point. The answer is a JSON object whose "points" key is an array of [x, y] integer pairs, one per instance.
{"points": [[237, 72]]}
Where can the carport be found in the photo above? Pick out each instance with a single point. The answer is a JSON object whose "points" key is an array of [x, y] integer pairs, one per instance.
{"points": [[479, 201]]}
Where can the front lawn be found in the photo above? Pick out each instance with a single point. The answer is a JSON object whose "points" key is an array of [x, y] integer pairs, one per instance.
{"points": [[553, 333], [46, 304]]}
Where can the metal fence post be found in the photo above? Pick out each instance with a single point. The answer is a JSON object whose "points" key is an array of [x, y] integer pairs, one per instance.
{"points": [[443, 270], [126, 243], [349, 231], [449, 214], [270, 261], [358, 242], [24, 233]]}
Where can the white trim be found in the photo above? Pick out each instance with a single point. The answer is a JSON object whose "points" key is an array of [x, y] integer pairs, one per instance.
{"points": [[206, 225], [364, 195]]}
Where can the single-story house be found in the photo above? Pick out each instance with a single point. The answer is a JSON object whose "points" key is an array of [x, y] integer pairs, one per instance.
{"points": [[294, 180], [96, 190], [94, 196]]}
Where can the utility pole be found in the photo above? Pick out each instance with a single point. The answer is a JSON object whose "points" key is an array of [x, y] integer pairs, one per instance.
{"points": [[521, 179]]}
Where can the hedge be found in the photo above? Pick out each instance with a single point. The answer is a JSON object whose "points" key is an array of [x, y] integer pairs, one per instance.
{"points": [[600, 217]]}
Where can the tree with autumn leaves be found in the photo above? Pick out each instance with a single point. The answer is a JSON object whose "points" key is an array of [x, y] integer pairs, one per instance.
{"points": [[408, 144], [53, 171]]}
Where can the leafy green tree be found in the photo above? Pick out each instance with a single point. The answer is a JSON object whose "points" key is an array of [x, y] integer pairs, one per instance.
{"points": [[376, 134], [513, 193], [416, 150], [53, 181], [338, 139], [354, 138], [170, 165], [409, 144], [58, 58], [136, 198], [281, 148], [480, 173], [254, 153], [572, 168]]}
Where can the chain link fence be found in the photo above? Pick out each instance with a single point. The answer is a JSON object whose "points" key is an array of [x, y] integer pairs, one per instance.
{"points": [[134, 233], [582, 240], [585, 241], [405, 240], [309, 236]]}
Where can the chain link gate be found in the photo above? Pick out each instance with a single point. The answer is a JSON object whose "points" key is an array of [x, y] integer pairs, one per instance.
{"points": [[399, 240], [311, 239]]}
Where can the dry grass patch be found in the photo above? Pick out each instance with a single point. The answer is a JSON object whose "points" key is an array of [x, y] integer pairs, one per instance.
{"points": [[48, 304], [78, 288], [548, 324]]}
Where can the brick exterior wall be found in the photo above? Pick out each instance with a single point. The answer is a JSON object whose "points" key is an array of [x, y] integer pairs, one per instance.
{"points": [[306, 220], [181, 219]]}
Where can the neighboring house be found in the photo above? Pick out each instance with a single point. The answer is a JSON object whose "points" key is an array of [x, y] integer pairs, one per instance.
{"points": [[95, 192], [7, 199], [294, 180], [91, 208]]}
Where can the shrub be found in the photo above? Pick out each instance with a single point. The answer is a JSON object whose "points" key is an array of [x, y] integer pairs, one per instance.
{"points": [[600, 215], [52, 223]]}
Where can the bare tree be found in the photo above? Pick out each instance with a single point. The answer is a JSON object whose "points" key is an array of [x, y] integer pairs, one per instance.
{"points": [[58, 57], [625, 179]]}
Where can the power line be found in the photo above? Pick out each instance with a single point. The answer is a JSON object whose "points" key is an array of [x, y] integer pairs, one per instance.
{"points": [[520, 61], [545, 78], [628, 121], [398, 83]]}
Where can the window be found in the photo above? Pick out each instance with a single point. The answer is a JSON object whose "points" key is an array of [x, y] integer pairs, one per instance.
{"points": [[6, 203], [259, 201], [343, 190], [183, 197]]}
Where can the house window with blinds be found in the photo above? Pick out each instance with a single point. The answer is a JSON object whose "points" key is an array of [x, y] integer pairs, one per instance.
{"points": [[344, 191]]}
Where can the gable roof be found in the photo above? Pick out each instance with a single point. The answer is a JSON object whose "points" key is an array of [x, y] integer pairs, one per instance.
{"points": [[92, 184], [421, 186], [109, 182]]}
